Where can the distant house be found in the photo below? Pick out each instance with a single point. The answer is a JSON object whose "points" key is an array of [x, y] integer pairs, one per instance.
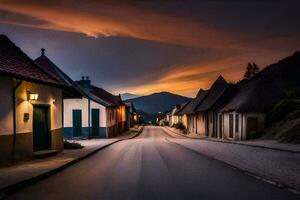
{"points": [[89, 111], [219, 94], [131, 115], [174, 118], [244, 115], [189, 116], [30, 106]]}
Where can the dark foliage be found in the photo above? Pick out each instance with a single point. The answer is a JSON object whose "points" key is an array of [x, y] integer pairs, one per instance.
{"points": [[72, 145]]}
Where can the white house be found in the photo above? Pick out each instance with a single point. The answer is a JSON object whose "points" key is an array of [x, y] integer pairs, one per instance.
{"points": [[90, 111], [207, 111], [244, 116], [30, 106], [192, 122]]}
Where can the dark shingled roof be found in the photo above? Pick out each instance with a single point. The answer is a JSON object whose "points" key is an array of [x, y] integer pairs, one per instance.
{"points": [[15, 63], [180, 107], [106, 96], [46, 64], [256, 95], [192, 105], [216, 91], [98, 95], [94, 93]]}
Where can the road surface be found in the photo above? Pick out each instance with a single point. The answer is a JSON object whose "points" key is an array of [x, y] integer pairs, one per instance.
{"points": [[151, 167]]}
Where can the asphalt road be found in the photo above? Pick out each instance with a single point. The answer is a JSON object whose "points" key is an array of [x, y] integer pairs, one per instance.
{"points": [[151, 167]]}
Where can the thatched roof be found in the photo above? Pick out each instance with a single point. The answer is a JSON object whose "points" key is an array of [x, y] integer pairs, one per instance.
{"points": [[192, 105], [219, 88], [256, 95]]}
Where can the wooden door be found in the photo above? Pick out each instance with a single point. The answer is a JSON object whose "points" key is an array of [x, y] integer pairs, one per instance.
{"points": [[230, 125], [252, 127], [41, 128], [77, 123], [95, 122]]}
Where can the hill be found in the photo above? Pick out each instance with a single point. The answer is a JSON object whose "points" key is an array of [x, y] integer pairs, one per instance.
{"points": [[285, 74], [158, 102], [127, 96]]}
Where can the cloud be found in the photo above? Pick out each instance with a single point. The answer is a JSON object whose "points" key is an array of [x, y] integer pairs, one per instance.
{"points": [[120, 19], [227, 33]]}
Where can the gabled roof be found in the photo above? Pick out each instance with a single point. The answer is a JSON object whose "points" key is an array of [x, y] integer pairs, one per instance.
{"points": [[98, 95], [215, 93], [192, 105], [180, 107], [15, 63], [256, 95], [46, 64], [106, 96]]}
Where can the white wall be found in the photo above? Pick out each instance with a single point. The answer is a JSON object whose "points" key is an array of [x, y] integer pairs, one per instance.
{"points": [[201, 124], [47, 95], [82, 104], [242, 126]]}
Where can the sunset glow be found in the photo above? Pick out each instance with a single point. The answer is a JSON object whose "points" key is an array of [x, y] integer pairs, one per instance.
{"points": [[221, 44]]}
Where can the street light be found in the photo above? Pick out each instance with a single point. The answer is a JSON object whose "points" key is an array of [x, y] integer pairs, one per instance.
{"points": [[32, 96]]}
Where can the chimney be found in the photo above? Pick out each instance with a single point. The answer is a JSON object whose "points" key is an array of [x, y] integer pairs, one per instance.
{"points": [[43, 51], [84, 82]]}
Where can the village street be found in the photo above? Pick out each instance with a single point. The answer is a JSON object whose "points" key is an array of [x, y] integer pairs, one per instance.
{"points": [[154, 165]]}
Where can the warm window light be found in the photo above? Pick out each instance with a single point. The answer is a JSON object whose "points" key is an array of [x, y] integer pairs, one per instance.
{"points": [[32, 96]]}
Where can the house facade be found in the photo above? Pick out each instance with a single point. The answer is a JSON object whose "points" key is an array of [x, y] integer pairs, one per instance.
{"points": [[207, 111], [31, 106], [98, 114], [193, 124], [244, 116], [88, 111]]}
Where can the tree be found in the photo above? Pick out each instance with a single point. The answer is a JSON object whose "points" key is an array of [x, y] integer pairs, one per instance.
{"points": [[251, 70], [255, 69], [248, 72]]}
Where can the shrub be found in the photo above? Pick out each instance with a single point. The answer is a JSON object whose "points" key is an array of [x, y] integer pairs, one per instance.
{"points": [[72, 145], [286, 109], [180, 126]]}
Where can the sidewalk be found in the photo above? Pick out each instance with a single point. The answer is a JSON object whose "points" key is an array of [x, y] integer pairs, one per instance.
{"points": [[14, 177], [269, 144], [281, 168]]}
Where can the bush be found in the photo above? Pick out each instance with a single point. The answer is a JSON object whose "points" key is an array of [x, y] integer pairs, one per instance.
{"points": [[72, 145], [180, 126], [286, 109]]}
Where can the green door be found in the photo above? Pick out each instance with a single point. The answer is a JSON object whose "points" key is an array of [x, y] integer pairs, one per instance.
{"points": [[41, 128], [77, 123], [95, 122]]}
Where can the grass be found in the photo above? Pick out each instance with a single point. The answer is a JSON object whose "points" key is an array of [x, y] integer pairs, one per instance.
{"points": [[72, 145]]}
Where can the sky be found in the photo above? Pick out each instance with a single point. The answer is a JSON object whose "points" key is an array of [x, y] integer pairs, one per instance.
{"points": [[149, 46]]}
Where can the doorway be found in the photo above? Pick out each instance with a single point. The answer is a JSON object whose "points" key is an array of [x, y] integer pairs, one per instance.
{"points": [[252, 127], [41, 128], [95, 122], [77, 123]]}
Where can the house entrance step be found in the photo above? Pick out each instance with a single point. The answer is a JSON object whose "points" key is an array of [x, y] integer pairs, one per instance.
{"points": [[44, 153]]}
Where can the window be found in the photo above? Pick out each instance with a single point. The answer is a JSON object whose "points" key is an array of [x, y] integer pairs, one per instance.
{"points": [[236, 123]]}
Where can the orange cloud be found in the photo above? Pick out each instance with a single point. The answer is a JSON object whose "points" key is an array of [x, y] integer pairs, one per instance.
{"points": [[119, 19], [187, 80]]}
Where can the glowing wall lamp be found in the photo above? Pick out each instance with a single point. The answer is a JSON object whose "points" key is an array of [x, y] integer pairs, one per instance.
{"points": [[32, 96]]}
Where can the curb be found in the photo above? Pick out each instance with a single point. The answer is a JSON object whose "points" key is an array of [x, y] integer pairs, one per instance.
{"points": [[248, 173], [8, 190], [231, 142]]}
